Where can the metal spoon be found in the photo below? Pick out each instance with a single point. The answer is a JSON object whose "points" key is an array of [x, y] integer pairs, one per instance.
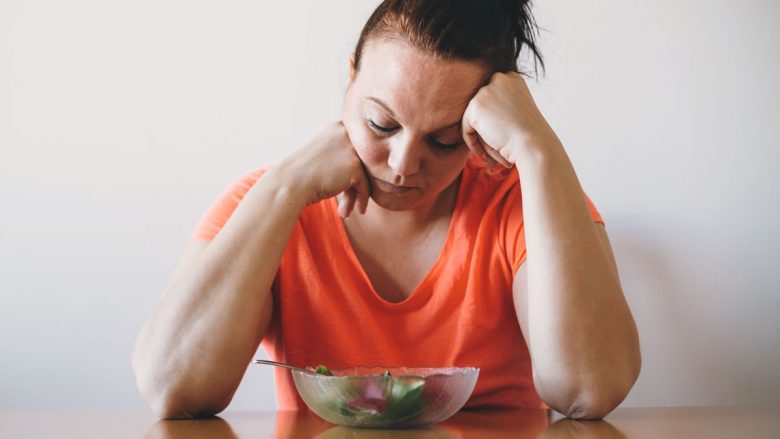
{"points": [[277, 364]]}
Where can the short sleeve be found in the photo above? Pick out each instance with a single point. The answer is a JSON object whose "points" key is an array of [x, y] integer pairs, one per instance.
{"points": [[594, 213], [514, 233], [222, 208]]}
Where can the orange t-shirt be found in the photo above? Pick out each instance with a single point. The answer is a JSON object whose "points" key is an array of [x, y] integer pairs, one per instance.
{"points": [[461, 313]]}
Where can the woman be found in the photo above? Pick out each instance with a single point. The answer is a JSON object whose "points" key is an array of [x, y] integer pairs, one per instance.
{"points": [[437, 135]]}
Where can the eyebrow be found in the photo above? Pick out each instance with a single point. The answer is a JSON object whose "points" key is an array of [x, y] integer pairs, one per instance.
{"points": [[386, 107]]}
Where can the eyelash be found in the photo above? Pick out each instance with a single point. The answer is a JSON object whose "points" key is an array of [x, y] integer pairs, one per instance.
{"points": [[436, 144]]}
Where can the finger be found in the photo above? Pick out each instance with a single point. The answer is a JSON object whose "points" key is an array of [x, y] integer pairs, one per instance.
{"points": [[341, 202], [362, 187], [474, 144], [470, 135], [362, 190], [344, 203], [497, 157], [349, 203]]}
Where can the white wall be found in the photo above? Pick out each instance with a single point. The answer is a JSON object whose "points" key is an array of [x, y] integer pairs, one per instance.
{"points": [[121, 121]]}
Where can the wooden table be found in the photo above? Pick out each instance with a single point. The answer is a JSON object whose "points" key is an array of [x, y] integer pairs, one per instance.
{"points": [[656, 423]]}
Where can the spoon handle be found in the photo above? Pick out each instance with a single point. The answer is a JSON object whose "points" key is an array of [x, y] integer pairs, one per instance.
{"points": [[277, 364]]}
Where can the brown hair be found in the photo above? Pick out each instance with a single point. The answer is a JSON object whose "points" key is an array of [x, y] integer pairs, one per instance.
{"points": [[492, 32]]}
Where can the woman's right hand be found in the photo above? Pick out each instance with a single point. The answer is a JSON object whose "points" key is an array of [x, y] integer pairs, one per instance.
{"points": [[329, 167]]}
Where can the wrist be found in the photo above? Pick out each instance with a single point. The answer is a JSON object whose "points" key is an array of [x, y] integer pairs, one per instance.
{"points": [[287, 186], [528, 151], [538, 154]]}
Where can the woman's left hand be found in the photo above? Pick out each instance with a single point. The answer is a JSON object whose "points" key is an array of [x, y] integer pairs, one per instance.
{"points": [[502, 121]]}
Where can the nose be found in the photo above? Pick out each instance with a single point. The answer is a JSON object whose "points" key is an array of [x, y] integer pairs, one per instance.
{"points": [[404, 159]]}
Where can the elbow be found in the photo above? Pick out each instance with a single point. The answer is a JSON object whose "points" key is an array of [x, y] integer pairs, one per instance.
{"points": [[588, 406], [173, 399], [167, 405], [593, 398], [173, 406], [597, 401], [162, 398], [172, 403]]}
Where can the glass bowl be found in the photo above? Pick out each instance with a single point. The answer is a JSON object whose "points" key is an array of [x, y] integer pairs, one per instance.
{"points": [[386, 397]]}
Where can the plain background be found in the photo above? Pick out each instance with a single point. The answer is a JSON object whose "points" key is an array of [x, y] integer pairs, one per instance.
{"points": [[120, 122]]}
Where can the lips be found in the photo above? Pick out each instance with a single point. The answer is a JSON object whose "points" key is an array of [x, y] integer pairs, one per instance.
{"points": [[389, 187]]}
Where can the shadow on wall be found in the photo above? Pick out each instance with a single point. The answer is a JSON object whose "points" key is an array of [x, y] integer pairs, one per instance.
{"points": [[698, 344]]}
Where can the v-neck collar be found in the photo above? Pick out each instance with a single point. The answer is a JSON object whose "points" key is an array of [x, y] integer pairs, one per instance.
{"points": [[421, 292]]}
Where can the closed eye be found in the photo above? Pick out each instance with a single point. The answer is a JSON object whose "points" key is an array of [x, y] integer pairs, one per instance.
{"points": [[374, 125], [435, 143], [438, 144]]}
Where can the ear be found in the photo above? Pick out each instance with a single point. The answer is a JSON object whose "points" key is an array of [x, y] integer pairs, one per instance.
{"points": [[352, 67]]}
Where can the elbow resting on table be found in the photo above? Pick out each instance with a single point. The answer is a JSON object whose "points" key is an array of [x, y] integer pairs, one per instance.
{"points": [[170, 400], [587, 404], [172, 404], [591, 406], [593, 400]]}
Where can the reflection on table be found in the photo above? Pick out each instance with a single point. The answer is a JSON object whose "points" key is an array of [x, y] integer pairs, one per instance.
{"points": [[671, 422], [515, 424]]}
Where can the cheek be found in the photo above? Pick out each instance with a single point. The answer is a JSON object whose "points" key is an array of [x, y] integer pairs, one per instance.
{"points": [[446, 169], [450, 165]]}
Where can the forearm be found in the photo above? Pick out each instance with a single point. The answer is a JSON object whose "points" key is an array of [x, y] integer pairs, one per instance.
{"points": [[582, 336], [195, 346]]}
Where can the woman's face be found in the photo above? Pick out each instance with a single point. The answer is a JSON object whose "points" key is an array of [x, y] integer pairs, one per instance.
{"points": [[403, 112]]}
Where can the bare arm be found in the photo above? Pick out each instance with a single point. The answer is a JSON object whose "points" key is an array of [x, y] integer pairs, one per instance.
{"points": [[580, 332], [581, 335], [196, 344]]}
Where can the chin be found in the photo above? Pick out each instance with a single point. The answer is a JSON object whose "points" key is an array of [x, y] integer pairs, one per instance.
{"points": [[391, 202]]}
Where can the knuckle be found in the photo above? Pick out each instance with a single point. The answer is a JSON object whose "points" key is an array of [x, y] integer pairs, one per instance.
{"points": [[355, 162]]}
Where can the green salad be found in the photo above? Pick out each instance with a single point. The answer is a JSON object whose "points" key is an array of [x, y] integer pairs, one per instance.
{"points": [[375, 398]]}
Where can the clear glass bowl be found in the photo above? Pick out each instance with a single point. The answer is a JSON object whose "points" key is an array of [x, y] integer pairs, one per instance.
{"points": [[369, 397]]}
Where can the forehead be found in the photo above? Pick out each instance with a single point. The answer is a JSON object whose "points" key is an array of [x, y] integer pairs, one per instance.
{"points": [[416, 85]]}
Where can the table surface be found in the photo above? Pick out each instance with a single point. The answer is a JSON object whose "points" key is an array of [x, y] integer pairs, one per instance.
{"points": [[668, 422]]}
